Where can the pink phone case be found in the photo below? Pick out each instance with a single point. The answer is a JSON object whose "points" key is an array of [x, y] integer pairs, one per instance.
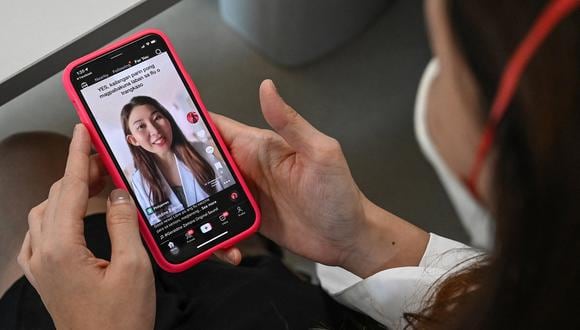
{"points": [[116, 176]]}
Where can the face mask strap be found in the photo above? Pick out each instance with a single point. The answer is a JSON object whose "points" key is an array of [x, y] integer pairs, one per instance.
{"points": [[554, 13]]}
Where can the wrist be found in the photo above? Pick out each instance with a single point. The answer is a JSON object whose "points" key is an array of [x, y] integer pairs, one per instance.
{"points": [[384, 241]]}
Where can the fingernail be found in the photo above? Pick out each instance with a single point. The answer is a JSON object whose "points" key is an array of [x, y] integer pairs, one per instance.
{"points": [[118, 196], [271, 82], [77, 129], [231, 257]]}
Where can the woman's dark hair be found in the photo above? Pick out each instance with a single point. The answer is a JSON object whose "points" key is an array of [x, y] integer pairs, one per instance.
{"points": [[531, 279], [145, 161]]}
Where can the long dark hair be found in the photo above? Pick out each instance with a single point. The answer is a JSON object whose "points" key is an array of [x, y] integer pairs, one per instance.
{"points": [[145, 162], [531, 279]]}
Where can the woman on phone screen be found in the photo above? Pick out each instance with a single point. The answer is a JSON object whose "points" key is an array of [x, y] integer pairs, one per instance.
{"points": [[170, 173]]}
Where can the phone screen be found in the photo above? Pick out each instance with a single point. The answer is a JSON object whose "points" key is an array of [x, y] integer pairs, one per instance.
{"points": [[159, 139]]}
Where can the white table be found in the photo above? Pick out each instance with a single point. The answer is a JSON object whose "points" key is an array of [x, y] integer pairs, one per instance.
{"points": [[40, 37]]}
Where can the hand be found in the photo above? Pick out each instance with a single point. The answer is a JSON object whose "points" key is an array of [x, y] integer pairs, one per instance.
{"points": [[310, 202], [79, 290]]}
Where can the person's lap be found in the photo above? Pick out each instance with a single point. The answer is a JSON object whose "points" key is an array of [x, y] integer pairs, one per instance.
{"points": [[260, 293]]}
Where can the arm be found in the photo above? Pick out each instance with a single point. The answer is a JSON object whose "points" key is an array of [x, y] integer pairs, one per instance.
{"points": [[312, 206], [388, 294], [385, 241]]}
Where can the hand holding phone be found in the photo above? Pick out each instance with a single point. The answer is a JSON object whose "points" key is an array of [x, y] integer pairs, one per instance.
{"points": [[78, 289], [155, 138], [311, 204]]}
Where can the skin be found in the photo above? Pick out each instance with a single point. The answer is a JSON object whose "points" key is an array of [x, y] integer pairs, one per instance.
{"points": [[297, 167], [151, 131], [78, 289], [310, 203], [454, 117]]}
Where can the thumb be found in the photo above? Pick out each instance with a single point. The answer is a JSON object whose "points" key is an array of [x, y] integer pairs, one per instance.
{"points": [[297, 132], [123, 228]]}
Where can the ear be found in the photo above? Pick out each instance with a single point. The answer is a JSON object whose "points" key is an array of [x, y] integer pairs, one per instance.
{"points": [[131, 139]]}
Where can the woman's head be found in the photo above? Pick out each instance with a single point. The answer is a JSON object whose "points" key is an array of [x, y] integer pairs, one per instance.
{"points": [[532, 180], [149, 129], [473, 40], [148, 125], [151, 132]]}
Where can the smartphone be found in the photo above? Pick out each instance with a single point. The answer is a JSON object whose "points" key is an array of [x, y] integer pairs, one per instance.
{"points": [[156, 139]]}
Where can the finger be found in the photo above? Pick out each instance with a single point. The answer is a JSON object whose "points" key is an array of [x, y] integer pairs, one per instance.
{"points": [[51, 206], [35, 224], [96, 168], [97, 172], [228, 127], [24, 259], [25, 251], [297, 132], [97, 175], [231, 255], [78, 162], [123, 229], [74, 190]]}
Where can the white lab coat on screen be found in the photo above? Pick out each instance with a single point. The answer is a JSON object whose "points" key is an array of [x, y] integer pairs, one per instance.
{"points": [[191, 189]]}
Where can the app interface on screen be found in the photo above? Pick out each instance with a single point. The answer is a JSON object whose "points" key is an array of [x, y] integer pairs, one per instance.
{"points": [[161, 144]]}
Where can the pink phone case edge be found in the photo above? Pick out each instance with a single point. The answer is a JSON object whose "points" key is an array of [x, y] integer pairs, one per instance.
{"points": [[116, 176]]}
